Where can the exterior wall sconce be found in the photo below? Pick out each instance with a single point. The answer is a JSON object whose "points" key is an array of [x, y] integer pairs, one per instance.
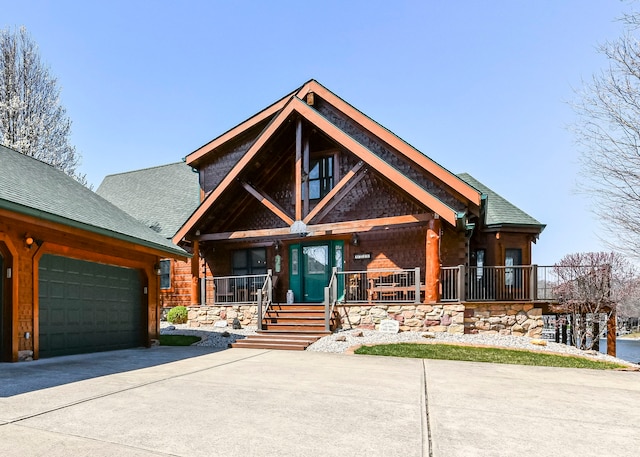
{"points": [[157, 269], [355, 240], [29, 241]]}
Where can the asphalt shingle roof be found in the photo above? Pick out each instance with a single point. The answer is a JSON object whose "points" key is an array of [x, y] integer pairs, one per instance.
{"points": [[161, 197], [499, 211], [29, 186]]}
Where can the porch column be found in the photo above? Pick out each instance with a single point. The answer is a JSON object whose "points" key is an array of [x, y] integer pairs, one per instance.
{"points": [[195, 274], [612, 329], [432, 270]]}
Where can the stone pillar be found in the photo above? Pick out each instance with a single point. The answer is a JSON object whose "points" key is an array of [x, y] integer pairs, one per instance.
{"points": [[432, 270]]}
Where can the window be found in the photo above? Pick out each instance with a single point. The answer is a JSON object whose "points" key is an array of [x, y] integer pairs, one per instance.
{"points": [[250, 262], [513, 276], [165, 274], [480, 253], [320, 177]]}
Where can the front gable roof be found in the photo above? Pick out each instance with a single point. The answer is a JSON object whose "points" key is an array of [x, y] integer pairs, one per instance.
{"points": [[286, 108], [34, 188]]}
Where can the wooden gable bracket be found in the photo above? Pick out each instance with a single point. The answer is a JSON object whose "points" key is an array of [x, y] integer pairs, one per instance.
{"points": [[336, 194], [267, 202]]}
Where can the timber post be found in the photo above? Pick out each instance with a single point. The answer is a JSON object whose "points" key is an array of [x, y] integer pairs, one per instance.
{"points": [[612, 330], [432, 271], [195, 274]]}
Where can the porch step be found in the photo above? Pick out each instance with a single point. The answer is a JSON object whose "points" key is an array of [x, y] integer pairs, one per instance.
{"points": [[291, 342], [288, 326]]}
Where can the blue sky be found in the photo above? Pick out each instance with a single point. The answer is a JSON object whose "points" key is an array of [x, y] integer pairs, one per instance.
{"points": [[479, 86]]}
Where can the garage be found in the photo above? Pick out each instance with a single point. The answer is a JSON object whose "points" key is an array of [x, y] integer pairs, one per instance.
{"points": [[88, 307]]}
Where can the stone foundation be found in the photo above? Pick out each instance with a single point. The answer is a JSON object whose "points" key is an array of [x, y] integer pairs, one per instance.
{"points": [[209, 315], [518, 319]]}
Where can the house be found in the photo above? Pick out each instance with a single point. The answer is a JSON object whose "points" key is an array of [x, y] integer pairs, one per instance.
{"points": [[313, 202], [162, 198], [77, 273]]}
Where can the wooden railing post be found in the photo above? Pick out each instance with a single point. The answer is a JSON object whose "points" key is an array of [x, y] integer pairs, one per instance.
{"points": [[260, 311], [334, 283], [416, 280], [461, 283], [327, 308], [269, 286], [533, 282]]}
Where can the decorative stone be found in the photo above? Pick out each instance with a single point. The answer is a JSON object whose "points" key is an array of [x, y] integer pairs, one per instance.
{"points": [[456, 328], [341, 338], [354, 319], [413, 322], [220, 324], [393, 326], [521, 317], [428, 335], [236, 324], [535, 312], [170, 328], [25, 356], [538, 342]]}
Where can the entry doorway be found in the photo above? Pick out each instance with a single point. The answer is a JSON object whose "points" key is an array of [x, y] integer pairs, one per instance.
{"points": [[311, 264]]}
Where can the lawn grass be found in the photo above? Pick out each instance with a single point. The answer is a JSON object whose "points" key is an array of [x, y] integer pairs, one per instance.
{"points": [[484, 354], [178, 340]]}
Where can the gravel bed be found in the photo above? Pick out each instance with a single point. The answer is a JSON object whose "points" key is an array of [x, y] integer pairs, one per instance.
{"points": [[222, 337], [213, 337]]}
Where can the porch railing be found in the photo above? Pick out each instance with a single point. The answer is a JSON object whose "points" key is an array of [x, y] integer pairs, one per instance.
{"points": [[239, 290], [506, 283], [380, 285], [330, 298]]}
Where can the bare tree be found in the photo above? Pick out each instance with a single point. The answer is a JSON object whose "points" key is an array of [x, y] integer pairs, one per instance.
{"points": [[32, 120], [590, 286], [608, 131]]}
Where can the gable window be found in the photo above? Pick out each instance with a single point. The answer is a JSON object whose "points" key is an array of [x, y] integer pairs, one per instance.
{"points": [[165, 274], [320, 177]]}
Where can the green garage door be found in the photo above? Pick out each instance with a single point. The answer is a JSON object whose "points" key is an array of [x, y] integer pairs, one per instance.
{"points": [[88, 307]]}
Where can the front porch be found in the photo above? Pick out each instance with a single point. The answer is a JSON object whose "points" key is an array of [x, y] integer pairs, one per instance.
{"points": [[506, 300]]}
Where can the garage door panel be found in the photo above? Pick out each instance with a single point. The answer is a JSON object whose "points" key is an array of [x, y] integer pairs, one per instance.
{"points": [[88, 307]]}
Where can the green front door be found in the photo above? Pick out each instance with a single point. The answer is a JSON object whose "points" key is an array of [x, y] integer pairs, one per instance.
{"points": [[311, 266], [316, 271]]}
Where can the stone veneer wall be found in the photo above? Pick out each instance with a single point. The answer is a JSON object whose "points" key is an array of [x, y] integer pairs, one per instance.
{"points": [[518, 319], [209, 315]]}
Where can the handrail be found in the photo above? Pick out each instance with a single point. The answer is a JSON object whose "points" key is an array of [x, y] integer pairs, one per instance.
{"points": [[330, 298], [265, 293]]}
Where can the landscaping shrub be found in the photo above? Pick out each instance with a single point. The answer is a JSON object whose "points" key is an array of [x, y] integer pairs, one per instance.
{"points": [[178, 315]]}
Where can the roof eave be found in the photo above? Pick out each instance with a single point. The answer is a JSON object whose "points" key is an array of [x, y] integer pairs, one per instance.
{"points": [[176, 252]]}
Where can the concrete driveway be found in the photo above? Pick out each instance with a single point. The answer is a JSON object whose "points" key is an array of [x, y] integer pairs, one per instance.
{"points": [[241, 402]]}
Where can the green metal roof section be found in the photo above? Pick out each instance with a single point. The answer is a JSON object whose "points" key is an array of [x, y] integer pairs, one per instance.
{"points": [[161, 197], [499, 211], [34, 188]]}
